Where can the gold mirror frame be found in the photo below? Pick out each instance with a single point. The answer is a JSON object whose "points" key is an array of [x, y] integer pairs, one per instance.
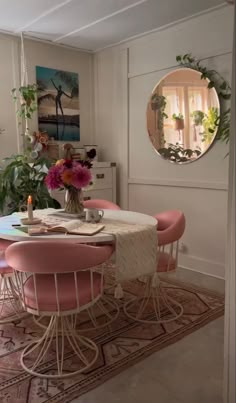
{"points": [[195, 127]]}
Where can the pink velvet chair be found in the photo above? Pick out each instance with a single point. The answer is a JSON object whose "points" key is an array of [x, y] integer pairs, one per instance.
{"points": [[100, 204], [10, 306], [170, 228], [60, 283]]}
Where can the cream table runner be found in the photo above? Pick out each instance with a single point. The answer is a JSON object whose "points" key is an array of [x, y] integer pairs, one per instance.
{"points": [[136, 248]]}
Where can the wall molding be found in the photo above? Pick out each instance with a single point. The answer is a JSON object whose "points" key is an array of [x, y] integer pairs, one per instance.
{"points": [[176, 66], [179, 183], [200, 265], [199, 279]]}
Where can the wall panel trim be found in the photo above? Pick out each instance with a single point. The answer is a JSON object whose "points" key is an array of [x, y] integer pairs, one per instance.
{"points": [[179, 183]]}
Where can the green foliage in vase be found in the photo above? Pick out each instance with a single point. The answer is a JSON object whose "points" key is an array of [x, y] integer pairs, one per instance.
{"points": [[176, 153], [20, 178], [27, 97], [222, 88]]}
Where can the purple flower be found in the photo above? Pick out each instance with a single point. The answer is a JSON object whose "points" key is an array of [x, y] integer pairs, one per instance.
{"points": [[53, 179], [82, 176]]}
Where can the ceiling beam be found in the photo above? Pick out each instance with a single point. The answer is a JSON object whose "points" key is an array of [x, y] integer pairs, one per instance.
{"points": [[122, 10], [48, 12]]}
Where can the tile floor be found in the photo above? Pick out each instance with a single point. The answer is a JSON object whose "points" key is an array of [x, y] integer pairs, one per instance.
{"points": [[189, 371]]}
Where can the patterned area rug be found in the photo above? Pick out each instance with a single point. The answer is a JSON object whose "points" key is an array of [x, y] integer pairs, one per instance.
{"points": [[121, 346]]}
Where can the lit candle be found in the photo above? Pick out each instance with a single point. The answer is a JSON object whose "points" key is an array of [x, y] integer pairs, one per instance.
{"points": [[30, 208]]}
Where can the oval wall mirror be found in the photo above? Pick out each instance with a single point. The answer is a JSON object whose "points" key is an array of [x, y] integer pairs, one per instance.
{"points": [[181, 116]]}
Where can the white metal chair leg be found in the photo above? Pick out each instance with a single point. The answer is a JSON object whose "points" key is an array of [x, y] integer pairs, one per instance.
{"points": [[59, 328], [10, 306], [165, 308], [102, 310]]}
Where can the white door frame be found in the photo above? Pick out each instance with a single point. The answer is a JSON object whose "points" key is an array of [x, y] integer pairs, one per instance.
{"points": [[230, 297]]}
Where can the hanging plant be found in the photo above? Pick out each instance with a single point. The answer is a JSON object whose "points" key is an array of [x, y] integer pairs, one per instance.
{"points": [[198, 117], [179, 121], [222, 87], [24, 175], [158, 102], [26, 96]]}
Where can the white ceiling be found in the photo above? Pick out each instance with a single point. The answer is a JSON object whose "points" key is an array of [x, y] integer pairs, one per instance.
{"points": [[94, 24]]}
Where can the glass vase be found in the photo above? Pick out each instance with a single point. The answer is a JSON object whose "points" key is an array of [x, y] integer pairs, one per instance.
{"points": [[74, 201]]}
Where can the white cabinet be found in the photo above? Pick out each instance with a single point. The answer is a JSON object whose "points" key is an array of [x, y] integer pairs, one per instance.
{"points": [[104, 184]]}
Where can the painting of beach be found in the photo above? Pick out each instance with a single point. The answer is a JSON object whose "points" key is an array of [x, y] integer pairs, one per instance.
{"points": [[58, 103]]}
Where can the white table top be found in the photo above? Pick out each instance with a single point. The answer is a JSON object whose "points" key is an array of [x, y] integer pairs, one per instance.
{"points": [[13, 234]]}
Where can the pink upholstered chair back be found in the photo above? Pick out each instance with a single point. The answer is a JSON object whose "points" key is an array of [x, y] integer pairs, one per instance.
{"points": [[57, 277], [171, 226], [100, 204], [54, 257]]}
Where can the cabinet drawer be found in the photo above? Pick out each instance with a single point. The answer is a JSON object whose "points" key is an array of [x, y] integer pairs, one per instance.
{"points": [[102, 178], [105, 194]]}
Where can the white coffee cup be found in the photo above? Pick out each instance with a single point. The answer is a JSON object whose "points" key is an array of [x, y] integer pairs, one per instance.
{"points": [[93, 215]]}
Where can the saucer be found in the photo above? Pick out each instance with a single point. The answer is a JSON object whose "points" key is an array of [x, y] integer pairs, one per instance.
{"points": [[26, 221]]}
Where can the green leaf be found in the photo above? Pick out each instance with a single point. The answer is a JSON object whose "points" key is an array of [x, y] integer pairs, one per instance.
{"points": [[178, 58], [225, 96], [223, 86], [211, 84]]}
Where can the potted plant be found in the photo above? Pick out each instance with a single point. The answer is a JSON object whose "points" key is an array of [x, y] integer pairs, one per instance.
{"points": [[27, 97], [179, 121], [176, 153], [158, 103], [20, 178], [198, 117], [24, 174]]}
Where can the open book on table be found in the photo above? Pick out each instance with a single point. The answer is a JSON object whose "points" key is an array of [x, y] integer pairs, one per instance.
{"points": [[76, 227]]}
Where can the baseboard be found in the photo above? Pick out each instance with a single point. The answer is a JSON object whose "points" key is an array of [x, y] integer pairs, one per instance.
{"points": [[197, 278], [204, 266]]}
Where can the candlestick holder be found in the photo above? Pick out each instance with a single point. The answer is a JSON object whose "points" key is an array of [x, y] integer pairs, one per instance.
{"points": [[27, 221]]}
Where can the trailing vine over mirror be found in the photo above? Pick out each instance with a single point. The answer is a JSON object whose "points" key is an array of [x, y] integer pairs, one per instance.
{"points": [[188, 110], [222, 88]]}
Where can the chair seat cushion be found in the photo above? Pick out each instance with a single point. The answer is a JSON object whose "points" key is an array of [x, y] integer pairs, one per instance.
{"points": [[163, 260], [4, 268], [46, 291]]}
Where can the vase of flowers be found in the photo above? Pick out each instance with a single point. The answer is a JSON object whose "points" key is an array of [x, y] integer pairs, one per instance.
{"points": [[72, 176]]}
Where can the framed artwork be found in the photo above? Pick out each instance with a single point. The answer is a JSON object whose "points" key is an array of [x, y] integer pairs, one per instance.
{"points": [[58, 103]]}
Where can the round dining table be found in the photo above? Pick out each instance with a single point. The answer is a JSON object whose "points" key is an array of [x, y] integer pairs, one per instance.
{"points": [[9, 232]]}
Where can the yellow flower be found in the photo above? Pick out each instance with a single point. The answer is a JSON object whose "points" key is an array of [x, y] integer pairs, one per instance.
{"points": [[60, 162], [67, 177]]}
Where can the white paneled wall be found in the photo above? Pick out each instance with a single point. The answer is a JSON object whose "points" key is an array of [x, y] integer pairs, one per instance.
{"points": [[124, 78]]}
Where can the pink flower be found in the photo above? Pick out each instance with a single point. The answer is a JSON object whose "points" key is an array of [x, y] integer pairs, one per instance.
{"points": [[53, 179], [81, 176]]}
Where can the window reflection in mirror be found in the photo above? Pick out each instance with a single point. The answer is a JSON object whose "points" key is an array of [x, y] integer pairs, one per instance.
{"points": [[181, 116]]}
